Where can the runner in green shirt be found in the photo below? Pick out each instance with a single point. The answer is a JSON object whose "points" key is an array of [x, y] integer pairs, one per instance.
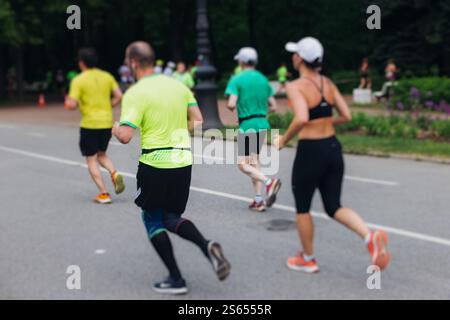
{"points": [[282, 75], [251, 94], [184, 76], [164, 110]]}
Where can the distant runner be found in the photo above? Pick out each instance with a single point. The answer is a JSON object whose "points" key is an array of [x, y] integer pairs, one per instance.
{"points": [[164, 110], [282, 75], [184, 76], [91, 91], [250, 92]]}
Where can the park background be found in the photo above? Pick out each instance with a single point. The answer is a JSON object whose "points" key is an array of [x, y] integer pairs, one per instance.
{"points": [[34, 40]]}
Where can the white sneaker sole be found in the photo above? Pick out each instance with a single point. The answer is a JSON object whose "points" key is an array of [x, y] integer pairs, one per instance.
{"points": [[103, 201], [178, 291], [303, 269]]}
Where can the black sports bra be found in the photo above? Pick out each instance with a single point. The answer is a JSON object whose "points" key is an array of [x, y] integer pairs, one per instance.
{"points": [[324, 109]]}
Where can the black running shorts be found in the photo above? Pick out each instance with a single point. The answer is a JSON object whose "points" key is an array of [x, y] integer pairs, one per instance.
{"points": [[319, 164], [166, 189], [93, 141]]}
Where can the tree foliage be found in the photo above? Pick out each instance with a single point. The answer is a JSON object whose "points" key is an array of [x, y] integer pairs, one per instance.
{"points": [[416, 33]]}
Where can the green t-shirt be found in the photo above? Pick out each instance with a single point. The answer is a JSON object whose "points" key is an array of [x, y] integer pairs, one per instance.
{"points": [[253, 91], [282, 74], [185, 78], [158, 105]]}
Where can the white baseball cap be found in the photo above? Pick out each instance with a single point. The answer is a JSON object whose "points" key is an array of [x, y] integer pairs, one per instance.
{"points": [[310, 49], [247, 55]]}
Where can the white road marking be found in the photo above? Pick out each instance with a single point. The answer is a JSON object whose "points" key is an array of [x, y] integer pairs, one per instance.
{"points": [[351, 178], [396, 231], [382, 182], [7, 126], [36, 134], [100, 251]]}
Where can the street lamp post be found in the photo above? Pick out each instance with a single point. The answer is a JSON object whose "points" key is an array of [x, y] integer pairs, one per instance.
{"points": [[206, 89]]}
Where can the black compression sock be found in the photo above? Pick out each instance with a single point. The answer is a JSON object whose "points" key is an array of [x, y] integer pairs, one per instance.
{"points": [[187, 230], [163, 247]]}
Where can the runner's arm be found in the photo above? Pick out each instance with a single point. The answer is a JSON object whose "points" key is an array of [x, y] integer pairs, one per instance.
{"points": [[123, 133], [195, 118], [272, 104], [301, 116], [116, 97], [342, 108], [232, 102], [70, 104]]}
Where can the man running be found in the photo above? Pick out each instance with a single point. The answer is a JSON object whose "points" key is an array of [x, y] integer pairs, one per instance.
{"points": [[164, 110], [91, 91], [251, 93]]}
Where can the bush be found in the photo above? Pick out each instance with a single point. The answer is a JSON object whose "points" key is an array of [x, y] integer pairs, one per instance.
{"points": [[441, 128], [280, 121], [430, 93]]}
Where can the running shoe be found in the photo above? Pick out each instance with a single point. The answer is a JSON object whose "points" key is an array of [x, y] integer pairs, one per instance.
{"points": [[377, 246], [257, 206], [103, 198], [298, 263], [272, 191], [170, 286], [117, 181], [220, 264]]}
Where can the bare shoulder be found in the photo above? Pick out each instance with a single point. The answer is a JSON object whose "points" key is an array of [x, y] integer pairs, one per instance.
{"points": [[294, 84]]}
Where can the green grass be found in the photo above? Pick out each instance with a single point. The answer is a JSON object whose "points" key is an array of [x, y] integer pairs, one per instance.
{"points": [[388, 146], [394, 146]]}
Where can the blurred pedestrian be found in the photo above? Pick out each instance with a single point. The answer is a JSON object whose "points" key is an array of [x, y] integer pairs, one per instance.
{"points": [[183, 76], [365, 80]]}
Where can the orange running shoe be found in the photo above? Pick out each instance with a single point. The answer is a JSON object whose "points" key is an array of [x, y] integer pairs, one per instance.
{"points": [[298, 263], [378, 249], [103, 198], [117, 181]]}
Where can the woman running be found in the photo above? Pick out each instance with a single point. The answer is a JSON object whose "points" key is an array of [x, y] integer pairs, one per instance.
{"points": [[319, 162]]}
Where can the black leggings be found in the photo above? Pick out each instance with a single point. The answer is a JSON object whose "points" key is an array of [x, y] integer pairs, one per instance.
{"points": [[318, 164]]}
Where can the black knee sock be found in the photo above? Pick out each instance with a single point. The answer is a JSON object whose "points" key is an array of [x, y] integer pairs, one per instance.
{"points": [[187, 230], [163, 247]]}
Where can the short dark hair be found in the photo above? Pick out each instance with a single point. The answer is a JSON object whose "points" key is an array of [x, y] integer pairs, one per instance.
{"points": [[142, 52], [88, 56], [316, 64]]}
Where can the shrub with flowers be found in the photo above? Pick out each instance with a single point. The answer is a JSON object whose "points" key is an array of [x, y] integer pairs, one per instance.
{"points": [[420, 94]]}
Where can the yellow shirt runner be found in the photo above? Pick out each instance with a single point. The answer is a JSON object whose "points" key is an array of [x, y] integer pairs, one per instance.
{"points": [[92, 89]]}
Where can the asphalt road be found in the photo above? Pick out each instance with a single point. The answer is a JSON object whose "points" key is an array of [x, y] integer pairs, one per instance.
{"points": [[48, 223]]}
